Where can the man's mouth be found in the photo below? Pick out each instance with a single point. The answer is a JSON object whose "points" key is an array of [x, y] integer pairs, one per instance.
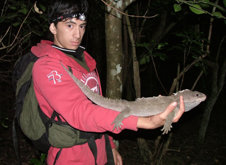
{"points": [[74, 43]]}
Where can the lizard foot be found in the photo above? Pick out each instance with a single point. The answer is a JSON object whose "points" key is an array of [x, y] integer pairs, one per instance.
{"points": [[166, 129], [118, 119], [116, 125]]}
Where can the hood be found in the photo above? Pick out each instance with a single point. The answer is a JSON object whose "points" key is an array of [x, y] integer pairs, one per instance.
{"points": [[44, 48]]}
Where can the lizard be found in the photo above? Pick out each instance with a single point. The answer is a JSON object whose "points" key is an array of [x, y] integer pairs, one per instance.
{"points": [[142, 107]]}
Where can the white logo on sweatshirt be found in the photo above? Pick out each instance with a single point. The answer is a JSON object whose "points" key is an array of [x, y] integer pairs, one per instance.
{"points": [[54, 76], [91, 80]]}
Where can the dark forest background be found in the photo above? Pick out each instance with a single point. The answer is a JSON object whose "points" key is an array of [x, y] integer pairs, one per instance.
{"points": [[162, 47]]}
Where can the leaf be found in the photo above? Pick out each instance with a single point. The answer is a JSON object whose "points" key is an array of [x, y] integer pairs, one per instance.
{"points": [[179, 34], [35, 162], [218, 14], [2, 19], [196, 9], [177, 7], [43, 157], [145, 45], [162, 56], [11, 15], [161, 45], [16, 3], [43, 8], [36, 32], [224, 1], [45, 27], [23, 10], [44, 17], [206, 1], [36, 20], [204, 5], [142, 61], [16, 24], [3, 124], [13, 7]]}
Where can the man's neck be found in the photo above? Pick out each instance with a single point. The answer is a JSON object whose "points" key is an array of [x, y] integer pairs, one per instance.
{"points": [[75, 53]]}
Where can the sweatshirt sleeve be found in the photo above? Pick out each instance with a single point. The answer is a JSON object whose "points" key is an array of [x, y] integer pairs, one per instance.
{"points": [[56, 90]]}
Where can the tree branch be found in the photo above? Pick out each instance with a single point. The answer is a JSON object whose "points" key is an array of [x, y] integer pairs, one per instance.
{"points": [[109, 5], [184, 71], [5, 35], [4, 47]]}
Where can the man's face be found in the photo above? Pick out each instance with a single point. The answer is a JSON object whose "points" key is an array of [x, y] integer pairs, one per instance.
{"points": [[68, 34]]}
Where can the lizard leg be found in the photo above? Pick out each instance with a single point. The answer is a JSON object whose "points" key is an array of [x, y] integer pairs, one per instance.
{"points": [[118, 120], [168, 123]]}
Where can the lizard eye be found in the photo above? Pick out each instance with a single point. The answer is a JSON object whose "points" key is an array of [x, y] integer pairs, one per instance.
{"points": [[197, 95]]}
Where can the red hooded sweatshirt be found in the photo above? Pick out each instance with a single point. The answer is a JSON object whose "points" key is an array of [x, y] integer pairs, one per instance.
{"points": [[55, 90]]}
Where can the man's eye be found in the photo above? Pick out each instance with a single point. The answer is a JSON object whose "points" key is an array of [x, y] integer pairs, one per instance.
{"points": [[83, 26], [70, 26]]}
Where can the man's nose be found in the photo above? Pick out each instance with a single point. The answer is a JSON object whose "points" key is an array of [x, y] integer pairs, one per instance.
{"points": [[76, 33]]}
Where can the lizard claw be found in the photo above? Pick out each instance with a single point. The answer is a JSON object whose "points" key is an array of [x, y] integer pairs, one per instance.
{"points": [[118, 122], [117, 125], [166, 129]]}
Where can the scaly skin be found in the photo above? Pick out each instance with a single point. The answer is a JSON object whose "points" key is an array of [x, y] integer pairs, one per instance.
{"points": [[143, 107]]}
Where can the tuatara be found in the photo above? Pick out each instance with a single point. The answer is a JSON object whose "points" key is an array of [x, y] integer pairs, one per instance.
{"points": [[143, 107]]}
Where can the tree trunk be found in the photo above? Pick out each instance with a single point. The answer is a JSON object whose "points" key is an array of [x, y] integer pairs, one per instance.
{"points": [[114, 55], [113, 30], [114, 51], [217, 85]]}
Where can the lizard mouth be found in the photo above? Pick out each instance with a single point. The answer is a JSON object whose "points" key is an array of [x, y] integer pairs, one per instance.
{"points": [[204, 98]]}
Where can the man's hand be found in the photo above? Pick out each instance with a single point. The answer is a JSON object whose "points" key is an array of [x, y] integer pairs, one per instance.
{"points": [[117, 157], [158, 120]]}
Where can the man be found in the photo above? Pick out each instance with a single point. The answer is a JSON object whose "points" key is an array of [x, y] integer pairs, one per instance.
{"points": [[55, 89]]}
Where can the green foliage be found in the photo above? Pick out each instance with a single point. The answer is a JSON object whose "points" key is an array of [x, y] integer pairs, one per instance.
{"points": [[218, 15], [22, 20], [196, 9], [201, 7], [39, 162], [177, 7], [145, 56], [224, 2], [156, 52], [42, 7], [190, 41], [192, 44], [21, 27]]}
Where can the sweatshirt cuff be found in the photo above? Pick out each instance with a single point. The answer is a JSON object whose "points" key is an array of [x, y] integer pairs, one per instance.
{"points": [[130, 123]]}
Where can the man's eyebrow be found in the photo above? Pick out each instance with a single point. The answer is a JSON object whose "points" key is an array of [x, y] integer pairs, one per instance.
{"points": [[75, 22], [70, 22], [84, 23]]}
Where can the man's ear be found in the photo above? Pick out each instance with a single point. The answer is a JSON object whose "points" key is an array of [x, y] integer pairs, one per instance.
{"points": [[52, 28]]}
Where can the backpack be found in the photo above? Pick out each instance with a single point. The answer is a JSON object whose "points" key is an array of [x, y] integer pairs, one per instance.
{"points": [[43, 131]]}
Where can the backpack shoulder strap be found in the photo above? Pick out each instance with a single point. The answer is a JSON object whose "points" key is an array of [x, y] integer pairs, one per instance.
{"points": [[21, 68]]}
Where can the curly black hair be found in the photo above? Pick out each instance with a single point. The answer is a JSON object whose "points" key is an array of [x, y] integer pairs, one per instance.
{"points": [[60, 7]]}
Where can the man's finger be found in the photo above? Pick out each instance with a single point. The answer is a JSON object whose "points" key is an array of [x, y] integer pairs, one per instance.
{"points": [[169, 109], [181, 110]]}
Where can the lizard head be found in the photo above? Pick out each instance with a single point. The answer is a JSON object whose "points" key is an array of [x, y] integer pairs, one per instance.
{"points": [[192, 98]]}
